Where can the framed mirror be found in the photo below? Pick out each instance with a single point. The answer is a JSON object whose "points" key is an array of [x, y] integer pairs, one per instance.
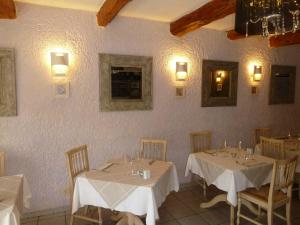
{"points": [[219, 83], [125, 82]]}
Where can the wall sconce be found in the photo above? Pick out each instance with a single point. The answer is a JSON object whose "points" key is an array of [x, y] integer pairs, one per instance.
{"points": [[59, 64], [181, 71], [218, 78], [257, 73], [220, 74]]}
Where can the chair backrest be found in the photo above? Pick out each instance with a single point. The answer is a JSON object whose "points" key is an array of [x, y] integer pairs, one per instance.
{"points": [[200, 141], [258, 132], [272, 148], [292, 144], [2, 163], [283, 176], [77, 162], [154, 149]]}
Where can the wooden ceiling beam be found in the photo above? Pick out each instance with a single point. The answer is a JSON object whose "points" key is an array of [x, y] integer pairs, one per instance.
{"points": [[285, 40], [109, 10], [289, 38], [233, 35], [211, 11], [7, 9]]}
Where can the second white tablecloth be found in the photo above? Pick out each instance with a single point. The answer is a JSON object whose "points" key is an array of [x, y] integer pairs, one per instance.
{"points": [[225, 173]]}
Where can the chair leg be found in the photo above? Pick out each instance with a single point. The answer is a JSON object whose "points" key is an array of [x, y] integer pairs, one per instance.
{"points": [[288, 213], [259, 212], [232, 215], [299, 189], [238, 211], [99, 214], [71, 219], [270, 217], [86, 208]]}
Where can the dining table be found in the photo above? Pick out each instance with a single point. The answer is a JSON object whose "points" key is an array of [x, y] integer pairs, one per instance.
{"points": [[119, 185], [231, 170], [14, 196]]}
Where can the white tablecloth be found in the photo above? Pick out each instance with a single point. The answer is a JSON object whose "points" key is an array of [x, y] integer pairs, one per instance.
{"points": [[14, 195], [230, 174], [144, 196], [289, 154]]}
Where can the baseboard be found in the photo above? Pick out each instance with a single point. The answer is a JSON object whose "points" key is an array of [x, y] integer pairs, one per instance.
{"points": [[46, 212]]}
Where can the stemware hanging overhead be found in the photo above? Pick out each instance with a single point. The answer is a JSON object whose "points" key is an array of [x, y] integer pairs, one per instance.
{"points": [[277, 17]]}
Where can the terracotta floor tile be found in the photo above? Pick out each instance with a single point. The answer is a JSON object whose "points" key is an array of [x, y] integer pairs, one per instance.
{"points": [[192, 220]]}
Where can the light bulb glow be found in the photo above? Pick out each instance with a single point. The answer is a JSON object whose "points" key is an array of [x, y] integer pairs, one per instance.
{"points": [[181, 71], [59, 64]]}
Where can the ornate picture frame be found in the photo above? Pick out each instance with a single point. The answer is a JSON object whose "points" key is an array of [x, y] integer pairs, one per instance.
{"points": [[219, 83], [282, 85], [8, 97], [135, 91]]}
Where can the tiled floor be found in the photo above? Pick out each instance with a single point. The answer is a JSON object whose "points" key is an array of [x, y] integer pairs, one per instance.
{"points": [[180, 208]]}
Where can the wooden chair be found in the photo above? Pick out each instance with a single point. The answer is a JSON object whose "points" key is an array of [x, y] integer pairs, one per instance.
{"points": [[128, 219], [77, 163], [258, 132], [154, 149], [2, 163], [200, 141], [272, 197], [292, 144], [272, 148]]}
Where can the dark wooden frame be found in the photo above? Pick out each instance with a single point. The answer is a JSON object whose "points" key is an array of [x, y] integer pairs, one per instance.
{"points": [[208, 66], [274, 95]]}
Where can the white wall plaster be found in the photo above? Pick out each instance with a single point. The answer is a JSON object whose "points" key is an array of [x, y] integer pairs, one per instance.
{"points": [[35, 140]]}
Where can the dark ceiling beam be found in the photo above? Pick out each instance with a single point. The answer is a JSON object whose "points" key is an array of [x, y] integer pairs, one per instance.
{"points": [[285, 40], [109, 10], [289, 38], [233, 35], [7, 9], [211, 11]]}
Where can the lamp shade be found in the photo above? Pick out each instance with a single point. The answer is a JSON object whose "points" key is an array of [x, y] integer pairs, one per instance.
{"points": [[59, 64], [181, 71], [257, 73]]}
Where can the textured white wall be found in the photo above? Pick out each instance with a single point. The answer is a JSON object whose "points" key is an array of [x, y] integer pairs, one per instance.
{"points": [[35, 140]]}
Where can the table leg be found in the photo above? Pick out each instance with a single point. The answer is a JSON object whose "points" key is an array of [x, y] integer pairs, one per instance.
{"points": [[214, 201], [217, 199]]}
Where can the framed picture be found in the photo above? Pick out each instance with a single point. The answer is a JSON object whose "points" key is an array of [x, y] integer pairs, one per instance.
{"points": [[180, 91], [125, 82], [61, 89], [219, 83], [8, 97], [282, 85]]}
